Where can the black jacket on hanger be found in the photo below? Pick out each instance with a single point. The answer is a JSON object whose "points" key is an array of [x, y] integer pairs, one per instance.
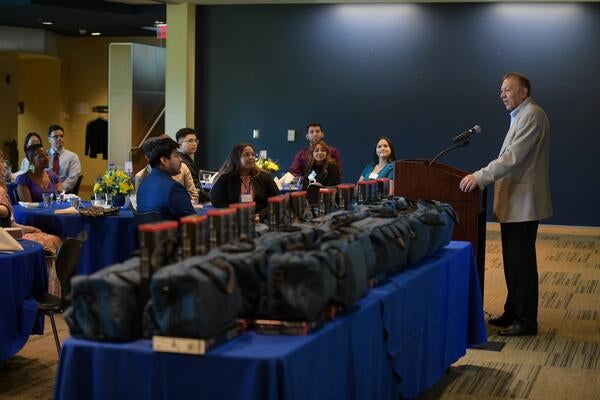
{"points": [[96, 138]]}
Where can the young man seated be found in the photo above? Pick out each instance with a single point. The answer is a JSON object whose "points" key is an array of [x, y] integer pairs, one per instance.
{"points": [[159, 191]]}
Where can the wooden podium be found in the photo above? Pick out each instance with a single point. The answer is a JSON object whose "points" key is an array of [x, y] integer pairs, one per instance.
{"points": [[415, 179]]}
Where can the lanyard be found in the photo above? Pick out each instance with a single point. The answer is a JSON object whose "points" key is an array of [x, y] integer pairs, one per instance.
{"points": [[246, 185]]}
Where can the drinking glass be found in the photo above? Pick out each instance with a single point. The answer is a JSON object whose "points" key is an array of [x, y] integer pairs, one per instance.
{"points": [[75, 203], [60, 197], [109, 197], [99, 199], [47, 199]]}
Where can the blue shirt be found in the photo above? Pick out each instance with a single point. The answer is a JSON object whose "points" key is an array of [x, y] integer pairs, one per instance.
{"points": [[159, 192], [515, 112], [386, 172]]}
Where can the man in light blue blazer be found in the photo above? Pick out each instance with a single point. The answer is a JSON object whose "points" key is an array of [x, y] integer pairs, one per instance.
{"points": [[521, 200]]}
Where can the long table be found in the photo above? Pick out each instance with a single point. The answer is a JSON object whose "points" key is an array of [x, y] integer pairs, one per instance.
{"points": [[398, 340], [22, 274]]}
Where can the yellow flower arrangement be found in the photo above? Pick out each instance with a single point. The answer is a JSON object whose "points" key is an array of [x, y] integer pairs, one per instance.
{"points": [[113, 181], [267, 164]]}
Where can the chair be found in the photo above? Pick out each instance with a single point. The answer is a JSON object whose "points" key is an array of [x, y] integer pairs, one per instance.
{"points": [[146, 217], [67, 258], [312, 194], [16, 195], [75, 189], [5, 222], [202, 172]]}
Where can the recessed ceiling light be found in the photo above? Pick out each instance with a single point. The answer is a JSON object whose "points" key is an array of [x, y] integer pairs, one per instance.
{"points": [[158, 22], [46, 23], [96, 33]]}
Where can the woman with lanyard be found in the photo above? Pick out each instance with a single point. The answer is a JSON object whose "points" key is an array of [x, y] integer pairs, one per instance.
{"points": [[239, 180]]}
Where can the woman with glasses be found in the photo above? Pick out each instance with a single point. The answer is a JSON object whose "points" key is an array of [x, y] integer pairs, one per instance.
{"points": [[38, 179], [239, 180]]}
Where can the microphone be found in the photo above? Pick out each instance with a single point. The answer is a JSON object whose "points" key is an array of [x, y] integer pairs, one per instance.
{"points": [[466, 134]]}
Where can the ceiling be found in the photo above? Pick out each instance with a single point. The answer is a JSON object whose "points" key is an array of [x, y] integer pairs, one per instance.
{"points": [[81, 18], [122, 17]]}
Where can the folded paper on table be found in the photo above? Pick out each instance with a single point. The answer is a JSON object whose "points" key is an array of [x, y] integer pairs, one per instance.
{"points": [[287, 178], [27, 204], [69, 210], [278, 182], [15, 232], [71, 196], [8, 243]]}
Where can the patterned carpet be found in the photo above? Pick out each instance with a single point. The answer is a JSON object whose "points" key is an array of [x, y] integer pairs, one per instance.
{"points": [[561, 362]]}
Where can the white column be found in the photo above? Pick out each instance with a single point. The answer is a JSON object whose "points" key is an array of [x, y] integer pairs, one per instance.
{"points": [[180, 71]]}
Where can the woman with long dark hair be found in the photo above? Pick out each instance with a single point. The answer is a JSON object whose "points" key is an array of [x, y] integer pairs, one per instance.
{"points": [[382, 165], [239, 180], [321, 168]]}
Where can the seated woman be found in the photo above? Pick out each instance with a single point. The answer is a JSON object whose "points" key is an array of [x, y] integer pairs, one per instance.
{"points": [[240, 180], [37, 180], [382, 165], [30, 138], [321, 168], [50, 243]]}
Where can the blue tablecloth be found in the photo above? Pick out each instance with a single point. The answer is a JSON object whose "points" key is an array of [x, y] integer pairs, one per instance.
{"points": [[22, 274], [399, 339], [110, 239]]}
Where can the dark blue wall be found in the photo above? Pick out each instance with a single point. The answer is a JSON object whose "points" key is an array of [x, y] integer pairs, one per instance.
{"points": [[419, 73]]}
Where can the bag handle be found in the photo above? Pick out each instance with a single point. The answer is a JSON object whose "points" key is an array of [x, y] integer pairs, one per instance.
{"points": [[222, 264], [242, 245]]}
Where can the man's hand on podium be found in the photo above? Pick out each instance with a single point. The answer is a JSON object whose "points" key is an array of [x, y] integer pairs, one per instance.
{"points": [[468, 183]]}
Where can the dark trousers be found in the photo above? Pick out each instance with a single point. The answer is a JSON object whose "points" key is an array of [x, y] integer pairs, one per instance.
{"points": [[520, 271]]}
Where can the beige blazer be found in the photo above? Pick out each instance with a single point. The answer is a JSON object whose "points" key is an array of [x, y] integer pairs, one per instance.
{"points": [[521, 171]]}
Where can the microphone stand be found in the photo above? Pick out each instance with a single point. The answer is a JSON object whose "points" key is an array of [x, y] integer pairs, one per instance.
{"points": [[447, 149]]}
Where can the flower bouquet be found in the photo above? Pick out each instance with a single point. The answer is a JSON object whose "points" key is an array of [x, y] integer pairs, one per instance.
{"points": [[267, 164], [115, 185]]}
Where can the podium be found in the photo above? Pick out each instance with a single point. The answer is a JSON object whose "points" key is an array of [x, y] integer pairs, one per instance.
{"points": [[415, 179]]}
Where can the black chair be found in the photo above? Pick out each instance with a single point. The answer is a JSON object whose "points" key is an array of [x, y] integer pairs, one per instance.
{"points": [[312, 194], [67, 258], [147, 217], [75, 189], [16, 195], [5, 222]]}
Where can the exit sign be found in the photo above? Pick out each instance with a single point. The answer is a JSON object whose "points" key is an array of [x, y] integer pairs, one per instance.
{"points": [[161, 31]]}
